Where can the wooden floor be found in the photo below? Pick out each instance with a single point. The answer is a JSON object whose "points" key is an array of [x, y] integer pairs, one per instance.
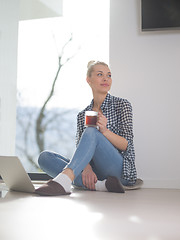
{"points": [[147, 214]]}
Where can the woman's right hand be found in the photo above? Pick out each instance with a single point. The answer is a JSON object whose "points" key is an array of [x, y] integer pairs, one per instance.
{"points": [[89, 178]]}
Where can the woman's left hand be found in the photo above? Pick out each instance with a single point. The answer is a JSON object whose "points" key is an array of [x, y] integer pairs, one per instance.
{"points": [[102, 123]]}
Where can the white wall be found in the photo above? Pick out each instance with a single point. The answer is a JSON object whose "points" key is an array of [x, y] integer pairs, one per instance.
{"points": [[9, 16], [33, 9], [146, 70]]}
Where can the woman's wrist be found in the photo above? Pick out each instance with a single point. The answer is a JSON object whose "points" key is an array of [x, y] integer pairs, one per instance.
{"points": [[105, 132], [88, 168]]}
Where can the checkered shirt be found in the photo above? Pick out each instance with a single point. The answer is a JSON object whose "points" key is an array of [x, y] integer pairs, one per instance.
{"points": [[118, 112]]}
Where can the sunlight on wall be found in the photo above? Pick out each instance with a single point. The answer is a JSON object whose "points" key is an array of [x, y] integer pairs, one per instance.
{"points": [[135, 219]]}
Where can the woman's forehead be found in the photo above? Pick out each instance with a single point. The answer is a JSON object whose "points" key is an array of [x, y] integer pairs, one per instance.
{"points": [[101, 68]]}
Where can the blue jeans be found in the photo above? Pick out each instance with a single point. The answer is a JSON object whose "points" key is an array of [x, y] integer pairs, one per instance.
{"points": [[93, 148]]}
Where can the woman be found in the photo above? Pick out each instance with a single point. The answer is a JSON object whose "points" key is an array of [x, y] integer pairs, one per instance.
{"points": [[104, 159]]}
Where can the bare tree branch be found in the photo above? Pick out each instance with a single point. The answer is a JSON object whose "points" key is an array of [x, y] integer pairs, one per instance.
{"points": [[40, 128], [43, 124]]}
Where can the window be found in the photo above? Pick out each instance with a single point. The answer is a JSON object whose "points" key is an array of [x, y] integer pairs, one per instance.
{"points": [[83, 35]]}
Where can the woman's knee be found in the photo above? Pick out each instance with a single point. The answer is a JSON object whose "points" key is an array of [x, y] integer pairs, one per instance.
{"points": [[44, 157], [91, 131]]}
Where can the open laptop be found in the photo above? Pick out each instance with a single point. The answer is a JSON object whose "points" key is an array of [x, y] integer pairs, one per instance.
{"points": [[14, 175]]}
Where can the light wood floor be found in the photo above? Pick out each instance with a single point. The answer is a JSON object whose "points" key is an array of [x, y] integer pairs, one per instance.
{"points": [[147, 214]]}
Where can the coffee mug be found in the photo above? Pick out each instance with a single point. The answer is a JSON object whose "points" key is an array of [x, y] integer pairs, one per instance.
{"points": [[91, 118]]}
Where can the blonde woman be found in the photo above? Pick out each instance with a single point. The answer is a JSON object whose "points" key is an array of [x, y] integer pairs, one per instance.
{"points": [[104, 159]]}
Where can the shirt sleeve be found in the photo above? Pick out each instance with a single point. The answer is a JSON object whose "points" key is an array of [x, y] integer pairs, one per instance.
{"points": [[126, 131], [80, 127], [125, 121]]}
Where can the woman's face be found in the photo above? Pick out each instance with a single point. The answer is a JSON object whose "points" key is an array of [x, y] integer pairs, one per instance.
{"points": [[100, 80]]}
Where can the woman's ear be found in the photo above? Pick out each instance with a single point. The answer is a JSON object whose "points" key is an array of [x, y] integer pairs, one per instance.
{"points": [[88, 81]]}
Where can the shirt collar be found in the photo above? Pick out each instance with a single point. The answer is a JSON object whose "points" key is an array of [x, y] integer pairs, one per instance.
{"points": [[106, 102]]}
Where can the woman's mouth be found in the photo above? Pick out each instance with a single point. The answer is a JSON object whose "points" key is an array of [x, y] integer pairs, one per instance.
{"points": [[105, 85]]}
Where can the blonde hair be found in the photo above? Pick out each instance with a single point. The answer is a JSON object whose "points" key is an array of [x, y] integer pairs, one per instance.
{"points": [[91, 64]]}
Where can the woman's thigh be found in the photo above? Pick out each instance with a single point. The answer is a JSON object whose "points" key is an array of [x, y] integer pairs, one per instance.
{"points": [[52, 163]]}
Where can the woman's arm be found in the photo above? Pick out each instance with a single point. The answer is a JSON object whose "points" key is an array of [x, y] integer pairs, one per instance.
{"points": [[89, 178], [118, 141]]}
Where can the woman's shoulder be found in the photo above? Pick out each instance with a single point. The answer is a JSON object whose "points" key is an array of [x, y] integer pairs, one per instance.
{"points": [[82, 112], [120, 102]]}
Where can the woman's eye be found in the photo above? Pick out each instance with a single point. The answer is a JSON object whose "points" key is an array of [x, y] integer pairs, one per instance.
{"points": [[99, 74], [109, 75]]}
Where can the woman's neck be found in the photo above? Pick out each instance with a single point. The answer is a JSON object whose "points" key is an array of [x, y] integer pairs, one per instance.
{"points": [[98, 100]]}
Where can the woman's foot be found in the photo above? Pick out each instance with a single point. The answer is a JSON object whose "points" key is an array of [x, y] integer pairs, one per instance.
{"points": [[51, 188], [111, 184], [60, 185], [114, 185]]}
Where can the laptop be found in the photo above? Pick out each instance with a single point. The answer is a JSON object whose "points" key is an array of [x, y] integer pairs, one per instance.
{"points": [[14, 175]]}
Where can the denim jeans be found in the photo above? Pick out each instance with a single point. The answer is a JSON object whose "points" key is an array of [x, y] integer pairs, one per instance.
{"points": [[93, 148]]}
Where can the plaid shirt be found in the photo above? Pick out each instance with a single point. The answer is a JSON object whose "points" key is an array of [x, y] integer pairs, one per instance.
{"points": [[118, 112]]}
